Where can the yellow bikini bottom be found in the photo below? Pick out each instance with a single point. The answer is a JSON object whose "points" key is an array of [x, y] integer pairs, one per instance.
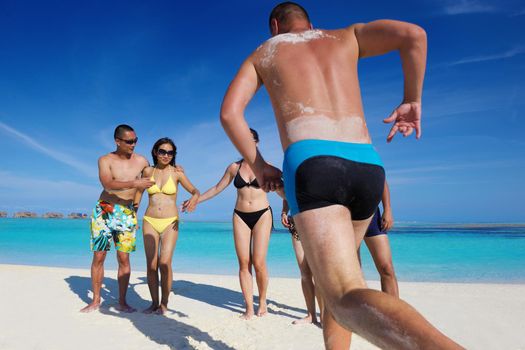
{"points": [[160, 224]]}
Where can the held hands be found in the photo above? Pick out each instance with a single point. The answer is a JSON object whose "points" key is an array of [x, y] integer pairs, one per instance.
{"points": [[284, 220], [406, 118], [189, 205], [142, 184], [269, 177]]}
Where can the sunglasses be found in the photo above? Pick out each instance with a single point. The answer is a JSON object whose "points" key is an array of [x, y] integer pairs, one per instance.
{"points": [[163, 152], [130, 142]]}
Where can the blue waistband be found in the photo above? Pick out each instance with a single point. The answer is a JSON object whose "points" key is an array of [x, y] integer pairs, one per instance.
{"points": [[298, 152], [359, 152]]}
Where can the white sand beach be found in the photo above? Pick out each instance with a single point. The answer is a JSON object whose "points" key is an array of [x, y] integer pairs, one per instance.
{"points": [[39, 310]]}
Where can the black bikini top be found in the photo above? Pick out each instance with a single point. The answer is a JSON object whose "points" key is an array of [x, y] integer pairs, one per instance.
{"points": [[239, 182]]}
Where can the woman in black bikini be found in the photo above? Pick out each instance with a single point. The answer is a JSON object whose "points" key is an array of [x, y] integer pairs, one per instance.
{"points": [[252, 224]]}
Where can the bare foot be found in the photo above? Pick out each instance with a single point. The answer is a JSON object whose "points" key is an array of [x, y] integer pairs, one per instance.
{"points": [[161, 310], [153, 308], [247, 315], [305, 320], [125, 308], [262, 311], [91, 307]]}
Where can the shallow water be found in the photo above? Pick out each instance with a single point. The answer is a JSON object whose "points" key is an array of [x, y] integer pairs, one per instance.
{"points": [[451, 253]]}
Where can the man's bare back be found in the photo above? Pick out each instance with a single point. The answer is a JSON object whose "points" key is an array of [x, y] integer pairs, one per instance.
{"points": [[311, 77]]}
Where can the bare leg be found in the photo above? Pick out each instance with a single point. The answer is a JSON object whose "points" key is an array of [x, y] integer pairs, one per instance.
{"points": [[307, 284], [242, 238], [168, 242], [320, 301], [97, 276], [335, 336], [329, 240], [124, 272], [261, 239], [151, 248], [380, 250]]}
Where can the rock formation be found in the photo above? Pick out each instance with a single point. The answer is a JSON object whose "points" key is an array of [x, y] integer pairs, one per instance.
{"points": [[77, 216], [25, 214], [53, 215]]}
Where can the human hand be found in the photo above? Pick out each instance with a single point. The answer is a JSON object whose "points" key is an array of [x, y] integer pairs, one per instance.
{"points": [[189, 205], [284, 220], [269, 177], [406, 118], [387, 220], [142, 184]]}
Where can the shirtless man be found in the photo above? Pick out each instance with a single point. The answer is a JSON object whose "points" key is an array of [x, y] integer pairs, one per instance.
{"points": [[114, 217], [333, 178]]}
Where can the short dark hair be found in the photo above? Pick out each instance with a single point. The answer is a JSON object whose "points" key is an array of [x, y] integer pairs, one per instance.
{"points": [[255, 135], [121, 129], [286, 11], [156, 147]]}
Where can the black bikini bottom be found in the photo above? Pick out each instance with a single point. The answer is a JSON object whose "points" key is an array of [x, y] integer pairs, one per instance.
{"points": [[251, 219]]}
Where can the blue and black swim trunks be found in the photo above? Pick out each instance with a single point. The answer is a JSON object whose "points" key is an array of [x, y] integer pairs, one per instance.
{"points": [[320, 173]]}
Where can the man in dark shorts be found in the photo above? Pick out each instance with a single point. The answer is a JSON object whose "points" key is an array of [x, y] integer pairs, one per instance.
{"points": [[376, 240]]}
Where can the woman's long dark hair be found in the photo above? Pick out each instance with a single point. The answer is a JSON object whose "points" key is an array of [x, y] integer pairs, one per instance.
{"points": [[159, 143]]}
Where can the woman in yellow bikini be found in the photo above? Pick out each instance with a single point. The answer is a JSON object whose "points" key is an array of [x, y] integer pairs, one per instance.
{"points": [[160, 226]]}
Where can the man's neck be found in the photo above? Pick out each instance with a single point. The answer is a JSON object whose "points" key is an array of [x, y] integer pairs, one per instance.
{"points": [[297, 27], [122, 155]]}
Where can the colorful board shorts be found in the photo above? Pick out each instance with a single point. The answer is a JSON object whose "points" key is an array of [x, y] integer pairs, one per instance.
{"points": [[113, 222]]}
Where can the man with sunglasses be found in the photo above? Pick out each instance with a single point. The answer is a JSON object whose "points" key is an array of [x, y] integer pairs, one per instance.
{"points": [[114, 217]]}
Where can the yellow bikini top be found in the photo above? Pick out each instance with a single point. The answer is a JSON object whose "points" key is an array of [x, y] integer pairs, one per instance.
{"points": [[168, 188]]}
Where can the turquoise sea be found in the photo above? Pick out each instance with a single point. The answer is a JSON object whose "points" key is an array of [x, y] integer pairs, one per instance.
{"points": [[422, 252]]}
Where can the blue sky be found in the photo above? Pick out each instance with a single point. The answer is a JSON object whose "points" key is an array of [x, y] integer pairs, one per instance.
{"points": [[71, 71]]}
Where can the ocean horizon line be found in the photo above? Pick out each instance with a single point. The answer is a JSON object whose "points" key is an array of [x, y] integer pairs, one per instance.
{"points": [[397, 224]]}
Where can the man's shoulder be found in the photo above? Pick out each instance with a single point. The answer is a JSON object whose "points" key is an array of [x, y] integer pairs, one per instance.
{"points": [[139, 158], [317, 33], [106, 157]]}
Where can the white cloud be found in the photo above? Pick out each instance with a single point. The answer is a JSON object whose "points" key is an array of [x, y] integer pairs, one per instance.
{"points": [[518, 13], [467, 6], [435, 169], [20, 192], [61, 157], [482, 58]]}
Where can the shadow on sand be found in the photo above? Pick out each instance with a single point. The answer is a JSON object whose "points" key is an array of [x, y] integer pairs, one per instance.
{"points": [[227, 298], [160, 329]]}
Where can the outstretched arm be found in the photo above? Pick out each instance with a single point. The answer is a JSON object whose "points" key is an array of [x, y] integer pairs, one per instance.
{"points": [[226, 179], [379, 37], [190, 204], [239, 93]]}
